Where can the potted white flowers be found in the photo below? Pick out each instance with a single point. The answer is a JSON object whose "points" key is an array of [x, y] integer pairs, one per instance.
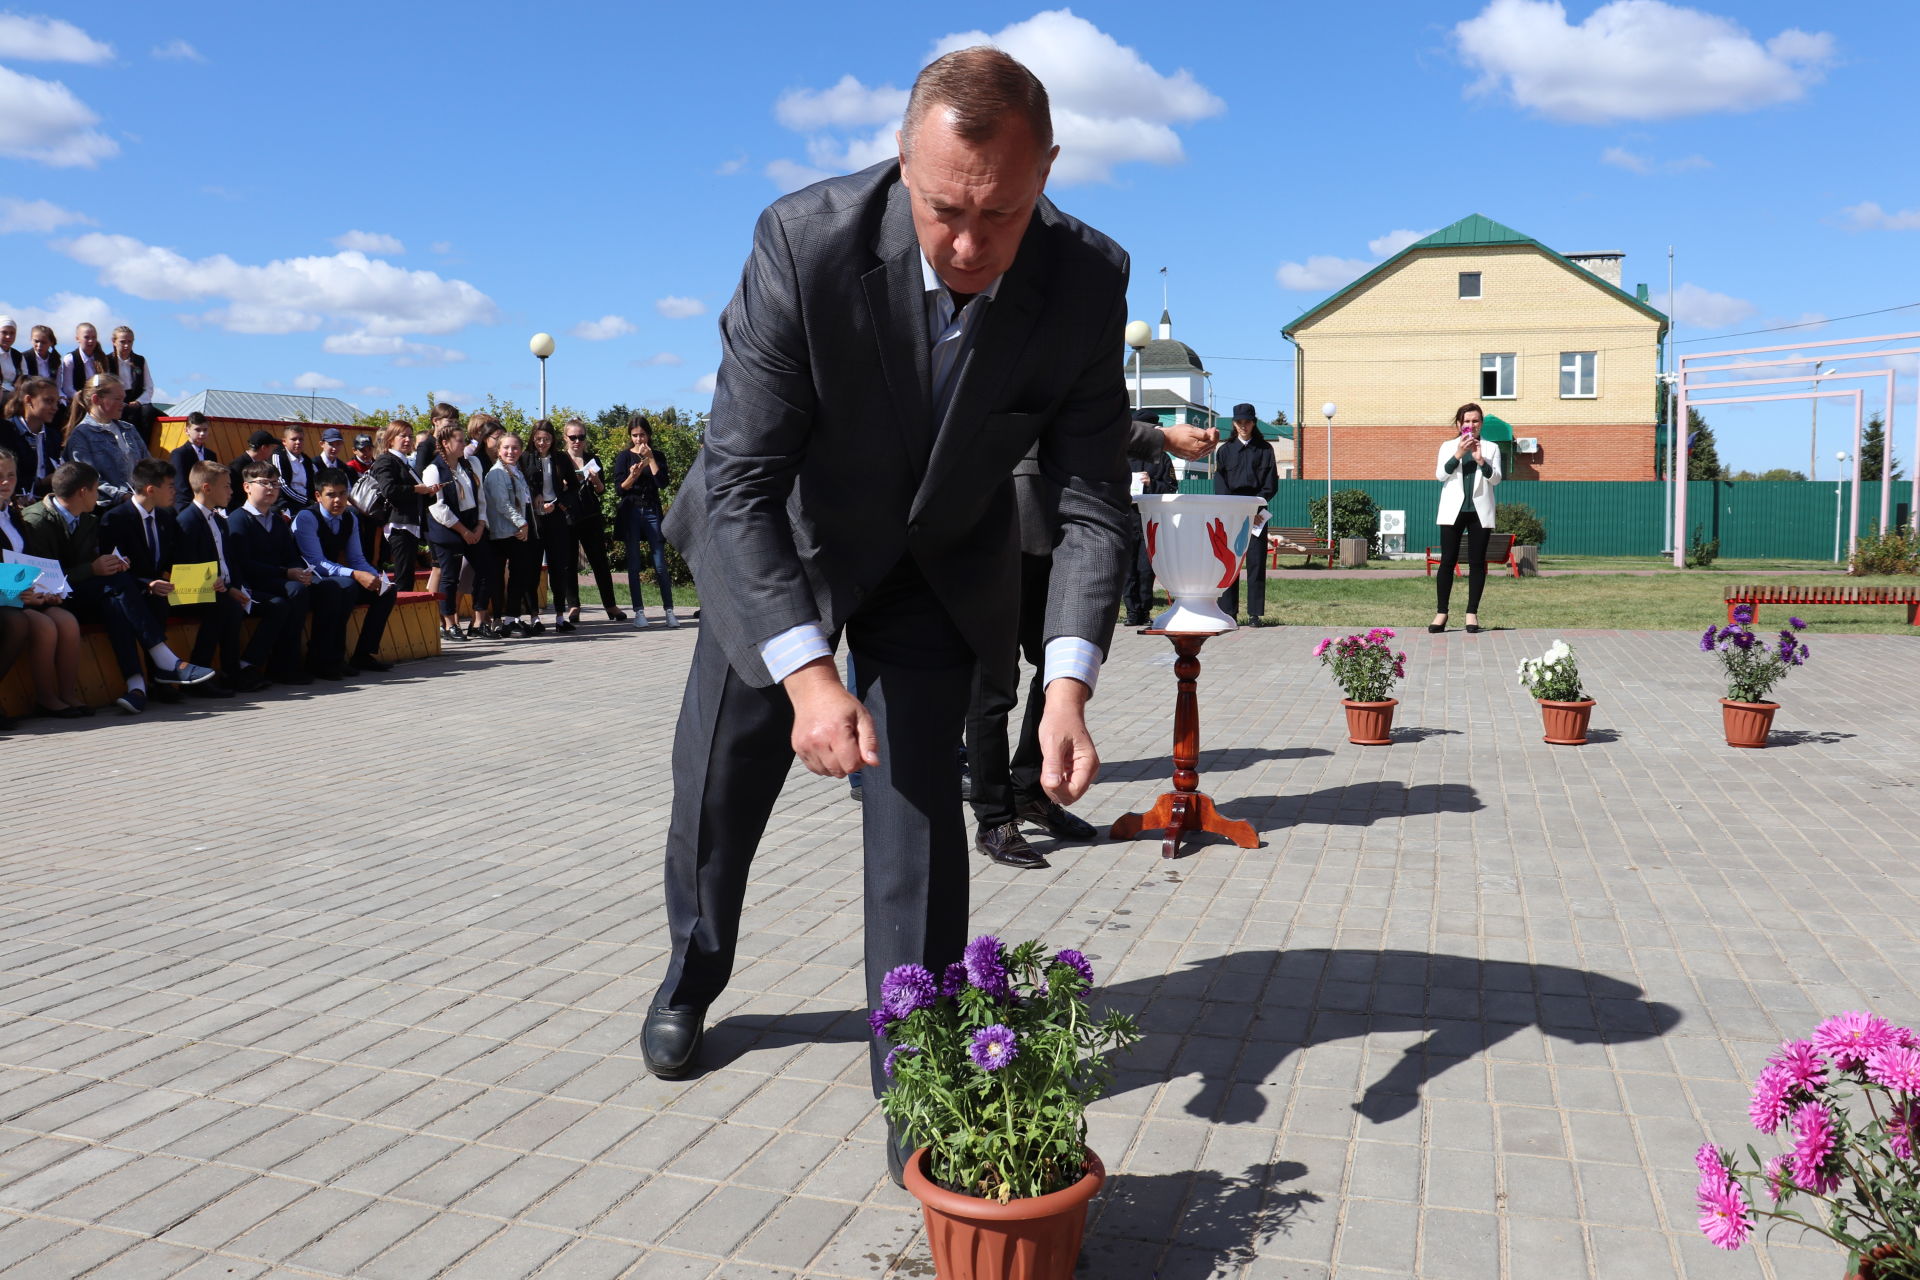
{"points": [[1554, 682]]}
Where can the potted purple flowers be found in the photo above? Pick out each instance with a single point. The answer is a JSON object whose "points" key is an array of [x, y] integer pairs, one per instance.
{"points": [[1365, 667], [993, 1065], [1848, 1101], [1752, 667]]}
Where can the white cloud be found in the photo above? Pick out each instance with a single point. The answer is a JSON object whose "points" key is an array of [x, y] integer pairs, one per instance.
{"points": [[317, 382], [1634, 60], [705, 383], [405, 354], [441, 246], [658, 359], [1633, 162], [728, 168], [178, 50], [375, 391], [36, 215], [288, 295], [1323, 273], [453, 397], [62, 312], [1869, 216], [678, 308], [369, 242], [603, 329], [1110, 106], [41, 120], [48, 40], [1699, 308]]}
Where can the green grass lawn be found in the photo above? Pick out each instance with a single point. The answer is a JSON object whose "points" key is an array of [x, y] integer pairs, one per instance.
{"points": [[1671, 602], [1726, 568]]}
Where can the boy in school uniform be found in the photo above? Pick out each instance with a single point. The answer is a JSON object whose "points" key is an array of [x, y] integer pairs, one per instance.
{"points": [[201, 531], [143, 532], [343, 579], [264, 560]]}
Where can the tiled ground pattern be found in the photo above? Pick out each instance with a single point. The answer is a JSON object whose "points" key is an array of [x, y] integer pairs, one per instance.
{"points": [[350, 984]]}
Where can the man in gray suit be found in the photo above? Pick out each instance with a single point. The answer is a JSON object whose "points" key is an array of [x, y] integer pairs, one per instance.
{"points": [[900, 338]]}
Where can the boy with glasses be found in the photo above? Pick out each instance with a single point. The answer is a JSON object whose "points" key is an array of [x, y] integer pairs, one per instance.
{"points": [[264, 559]]}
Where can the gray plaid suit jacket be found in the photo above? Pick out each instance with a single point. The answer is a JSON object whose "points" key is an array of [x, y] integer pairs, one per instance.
{"points": [[823, 466]]}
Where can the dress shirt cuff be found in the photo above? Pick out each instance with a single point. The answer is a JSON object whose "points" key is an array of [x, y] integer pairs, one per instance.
{"points": [[1073, 657], [793, 649]]}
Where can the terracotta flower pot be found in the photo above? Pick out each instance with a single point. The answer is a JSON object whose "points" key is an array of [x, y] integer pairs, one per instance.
{"points": [[1869, 1268], [1566, 722], [1037, 1238], [1747, 723], [1370, 724]]}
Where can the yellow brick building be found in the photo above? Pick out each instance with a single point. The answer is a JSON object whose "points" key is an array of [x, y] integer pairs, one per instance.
{"points": [[1557, 353]]}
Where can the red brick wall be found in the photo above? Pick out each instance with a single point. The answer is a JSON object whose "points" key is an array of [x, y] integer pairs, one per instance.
{"points": [[1362, 452]]}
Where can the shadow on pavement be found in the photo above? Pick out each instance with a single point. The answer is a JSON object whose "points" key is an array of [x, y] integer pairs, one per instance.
{"points": [[1219, 1221], [1357, 804]]}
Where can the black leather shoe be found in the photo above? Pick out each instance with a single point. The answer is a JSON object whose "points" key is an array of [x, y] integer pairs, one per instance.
{"points": [[1055, 821], [670, 1040], [366, 663], [899, 1151], [1006, 846]]}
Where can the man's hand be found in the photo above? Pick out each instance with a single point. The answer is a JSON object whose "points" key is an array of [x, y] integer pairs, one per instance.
{"points": [[108, 564], [370, 581], [160, 587], [302, 576], [832, 733], [1068, 761], [1190, 442]]}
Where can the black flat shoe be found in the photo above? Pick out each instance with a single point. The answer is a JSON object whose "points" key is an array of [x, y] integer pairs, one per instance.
{"points": [[366, 663], [614, 615], [899, 1151], [1473, 628], [1055, 821], [562, 625], [1435, 628], [670, 1040], [1006, 846]]}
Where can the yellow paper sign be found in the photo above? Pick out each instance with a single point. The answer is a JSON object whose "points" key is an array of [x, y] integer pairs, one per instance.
{"points": [[193, 583]]}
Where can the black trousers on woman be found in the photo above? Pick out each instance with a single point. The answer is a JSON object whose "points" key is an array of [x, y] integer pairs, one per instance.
{"points": [[563, 564], [1468, 522], [591, 534], [450, 558]]}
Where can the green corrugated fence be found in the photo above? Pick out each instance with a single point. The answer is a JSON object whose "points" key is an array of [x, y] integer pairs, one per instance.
{"points": [[1760, 519]]}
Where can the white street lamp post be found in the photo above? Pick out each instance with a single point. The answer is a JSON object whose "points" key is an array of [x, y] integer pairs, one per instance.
{"points": [[541, 344], [1840, 457], [1139, 333], [1328, 409]]}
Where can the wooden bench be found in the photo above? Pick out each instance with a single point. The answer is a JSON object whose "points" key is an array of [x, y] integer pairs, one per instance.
{"points": [[1499, 551], [1300, 542], [1755, 596]]}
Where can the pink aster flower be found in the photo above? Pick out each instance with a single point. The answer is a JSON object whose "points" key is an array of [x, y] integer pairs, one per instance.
{"points": [[1711, 1163], [1768, 1107], [1723, 1215], [1903, 1126], [1848, 1038], [1813, 1147], [1779, 1177], [1800, 1065], [1895, 1067], [1322, 647]]}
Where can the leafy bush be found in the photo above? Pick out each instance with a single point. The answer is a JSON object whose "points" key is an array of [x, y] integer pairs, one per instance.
{"points": [[1520, 520], [1354, 516], [1703, 553], [1896, 551]]}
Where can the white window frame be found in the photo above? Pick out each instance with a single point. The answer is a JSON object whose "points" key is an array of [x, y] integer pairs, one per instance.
{"points": [[1570, 363], [1479, 276], [1513, 371]]}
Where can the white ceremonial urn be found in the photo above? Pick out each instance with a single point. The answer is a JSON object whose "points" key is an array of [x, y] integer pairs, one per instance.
{"points": [[1197, 542]]}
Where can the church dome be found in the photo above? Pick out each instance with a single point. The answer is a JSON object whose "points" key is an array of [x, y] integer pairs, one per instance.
{"points": [[1169, 354]]}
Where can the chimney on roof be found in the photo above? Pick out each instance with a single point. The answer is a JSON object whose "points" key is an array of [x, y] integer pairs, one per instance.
{"points": [[1604, 265], [1166, 323]]}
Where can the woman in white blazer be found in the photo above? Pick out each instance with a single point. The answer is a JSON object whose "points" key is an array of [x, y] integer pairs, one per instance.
{"points": [[1467, 469]]}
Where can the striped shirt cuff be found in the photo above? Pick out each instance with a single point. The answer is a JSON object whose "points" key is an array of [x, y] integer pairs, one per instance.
{"points": [[1072, 657], [793, 649]]}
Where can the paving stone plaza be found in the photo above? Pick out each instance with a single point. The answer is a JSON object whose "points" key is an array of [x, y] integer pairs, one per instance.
{"points": [[351, 984]]}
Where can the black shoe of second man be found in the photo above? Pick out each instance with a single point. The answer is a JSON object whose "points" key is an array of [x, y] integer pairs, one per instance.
{"points": [[670, 1041], [1055, 821], [1006, 846]]}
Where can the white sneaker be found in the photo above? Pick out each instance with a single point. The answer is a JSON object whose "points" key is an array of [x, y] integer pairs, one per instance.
{"points": [[673, 623], [639, 621]]}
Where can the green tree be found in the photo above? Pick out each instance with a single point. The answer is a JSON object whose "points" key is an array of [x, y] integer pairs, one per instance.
{"points": [[1279, 417], [1873, 446], [1703, 462], [1776, 473]]}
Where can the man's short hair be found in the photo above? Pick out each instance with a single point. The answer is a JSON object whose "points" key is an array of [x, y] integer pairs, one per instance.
{"points": [[980, 88], [332, 478], [70, 478], [204, 474], [259, 471], [196, 419], [152, 471], [293, 429]]}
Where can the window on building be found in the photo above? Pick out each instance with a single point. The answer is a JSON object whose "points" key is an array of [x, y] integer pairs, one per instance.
{"points": [[1469, 284], [1577, 380], [1497, 375]]}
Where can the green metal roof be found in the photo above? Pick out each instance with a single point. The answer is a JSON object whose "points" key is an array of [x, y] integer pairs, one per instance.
{"points": [[1474, 229], [1495, 429]]}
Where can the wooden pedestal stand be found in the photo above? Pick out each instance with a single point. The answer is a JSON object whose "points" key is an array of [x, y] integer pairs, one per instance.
{"points": [[1185, 808]]}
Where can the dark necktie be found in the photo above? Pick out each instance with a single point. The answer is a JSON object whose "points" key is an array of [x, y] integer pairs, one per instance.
{"points": [[153, 542]]}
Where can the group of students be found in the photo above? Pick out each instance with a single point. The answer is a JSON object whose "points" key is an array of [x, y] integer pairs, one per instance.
{"points": [[295, 535], [70, 372]]}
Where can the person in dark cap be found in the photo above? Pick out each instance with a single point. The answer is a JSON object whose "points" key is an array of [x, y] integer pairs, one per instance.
{"points": [[330, 442], [1159, 478], [260, 447], [1244, 465], [362, 460]]}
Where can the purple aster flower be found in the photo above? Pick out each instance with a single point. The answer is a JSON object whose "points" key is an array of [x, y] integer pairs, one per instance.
{"points": [[954, 980], [1711, 1163], [1813, 1142], [1848, 1038], [906, 990], [1723, 1215], [1796, 624], [985, 968], [1320, 649], [1707, 638], [898, 1051], [1744, 640], [1895, 1067], [1779, 1177], [1903, 1127], [1076, 962], [1768, 1107], [1743, 614], [1800, 1065], [993, 1047], [878, 1021]]}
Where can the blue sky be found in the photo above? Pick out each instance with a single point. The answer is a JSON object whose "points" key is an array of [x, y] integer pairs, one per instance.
{"points": [[383, 201]]}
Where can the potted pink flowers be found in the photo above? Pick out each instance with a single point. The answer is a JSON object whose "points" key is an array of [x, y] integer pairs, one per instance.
{"points": [[1848, 1103], [1365, 667]]}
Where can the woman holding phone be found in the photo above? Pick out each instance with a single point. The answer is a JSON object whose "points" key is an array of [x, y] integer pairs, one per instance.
{"points": [[1467, 468]]}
